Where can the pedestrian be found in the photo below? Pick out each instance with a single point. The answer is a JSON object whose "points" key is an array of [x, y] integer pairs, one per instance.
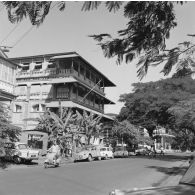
{"points": [[55, 149], [162, 150], [153, 150]]}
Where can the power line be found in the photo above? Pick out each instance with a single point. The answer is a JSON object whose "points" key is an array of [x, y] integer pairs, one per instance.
{"points": [[28, 31], [1, 8], [25, 34], [9, 33]]}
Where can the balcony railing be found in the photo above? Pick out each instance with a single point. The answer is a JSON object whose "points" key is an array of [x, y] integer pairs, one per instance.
{"points": [[61, 73]]}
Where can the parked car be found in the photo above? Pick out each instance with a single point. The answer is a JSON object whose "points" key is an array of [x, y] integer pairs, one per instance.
{"points": [[19, 152], [142, 150], [106, 152], [88, 153], [121, 152]]}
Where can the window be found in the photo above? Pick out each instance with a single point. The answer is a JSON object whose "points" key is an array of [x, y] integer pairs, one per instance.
{"points": [[35, 141], [23, 146], [62, 92], [43, 107], [51, 65], [25, 68], [38, 65], [75, 65], [18, 108], [82, 70], [35, 108], [88, 74]]}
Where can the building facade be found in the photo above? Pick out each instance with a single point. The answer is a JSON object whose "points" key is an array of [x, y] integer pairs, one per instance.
{"points": [[162, 138], [53, 81], [7, 80]]}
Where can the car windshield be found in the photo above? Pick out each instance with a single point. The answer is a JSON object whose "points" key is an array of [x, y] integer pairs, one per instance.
{"points": [[22, 146], [103, 149]]}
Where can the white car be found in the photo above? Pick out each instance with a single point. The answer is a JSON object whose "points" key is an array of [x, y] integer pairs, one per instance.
{"points": [[106, 152], [88, 153], [20, 152]]}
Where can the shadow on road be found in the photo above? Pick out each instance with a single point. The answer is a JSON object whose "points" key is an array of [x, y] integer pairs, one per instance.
{"points": [[166, 157], [170, 171], [5, 164]]}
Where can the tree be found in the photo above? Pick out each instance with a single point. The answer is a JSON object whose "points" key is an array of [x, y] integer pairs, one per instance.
{"points": [[149, 26], [89, 124], [68, 123], [7, 130], [150, 104], [129, 133]]}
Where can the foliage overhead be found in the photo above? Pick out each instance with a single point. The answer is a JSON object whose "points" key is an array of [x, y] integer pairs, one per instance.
{"points": [[148, 28]]}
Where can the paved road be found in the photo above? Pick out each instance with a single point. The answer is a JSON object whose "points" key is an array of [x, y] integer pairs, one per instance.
{"points": [[94, 178]]}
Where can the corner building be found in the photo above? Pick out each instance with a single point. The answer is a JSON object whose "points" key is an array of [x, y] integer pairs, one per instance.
{"points": [[53, 81], [7, 81]]}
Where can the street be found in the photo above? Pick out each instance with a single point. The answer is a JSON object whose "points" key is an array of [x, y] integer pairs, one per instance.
{"points": [[87, 178]]}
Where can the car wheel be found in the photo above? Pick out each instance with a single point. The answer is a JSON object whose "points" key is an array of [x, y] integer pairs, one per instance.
{"points": [[45, 165], [89, 158], [17, 159]]}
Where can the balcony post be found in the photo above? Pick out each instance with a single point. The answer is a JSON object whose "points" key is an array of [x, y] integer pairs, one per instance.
{"points": [[72, 66], [79, 69]]}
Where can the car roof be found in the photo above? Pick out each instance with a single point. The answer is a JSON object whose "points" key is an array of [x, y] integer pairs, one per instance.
{"points": [[18, 143]]}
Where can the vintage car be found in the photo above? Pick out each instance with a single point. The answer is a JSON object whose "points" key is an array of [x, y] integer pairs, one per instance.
{"points": [[88, 153], [106, 152], [141, 150], [121, 151], [19, 152]]}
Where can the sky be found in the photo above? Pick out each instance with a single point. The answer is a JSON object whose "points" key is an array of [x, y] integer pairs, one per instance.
{"points": [[68, 31]]}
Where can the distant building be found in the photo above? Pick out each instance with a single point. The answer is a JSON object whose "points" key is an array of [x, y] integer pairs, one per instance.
{"points": [[143, 132], [162, 138], [53, 81]]}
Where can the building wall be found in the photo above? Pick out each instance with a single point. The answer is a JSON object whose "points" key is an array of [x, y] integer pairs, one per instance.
{"points": [[7, 76]]}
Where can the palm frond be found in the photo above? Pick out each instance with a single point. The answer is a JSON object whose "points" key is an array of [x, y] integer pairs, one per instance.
{"points": [[90, 5], [113, 5]]}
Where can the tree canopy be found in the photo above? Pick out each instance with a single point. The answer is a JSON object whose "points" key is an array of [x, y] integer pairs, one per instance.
{"points": [[148, 28], [129, 134], [158, 103]]}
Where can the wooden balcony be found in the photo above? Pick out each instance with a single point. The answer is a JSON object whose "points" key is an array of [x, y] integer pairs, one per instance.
{"points": [[59, 73], [65, 97]]}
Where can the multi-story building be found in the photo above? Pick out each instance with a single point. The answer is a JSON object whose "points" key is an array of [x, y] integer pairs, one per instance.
{"points": [[7, 79], [54, 81]]}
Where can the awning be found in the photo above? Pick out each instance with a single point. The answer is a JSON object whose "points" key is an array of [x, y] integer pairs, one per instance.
{"points": [[63, 80], [64, 56]]}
